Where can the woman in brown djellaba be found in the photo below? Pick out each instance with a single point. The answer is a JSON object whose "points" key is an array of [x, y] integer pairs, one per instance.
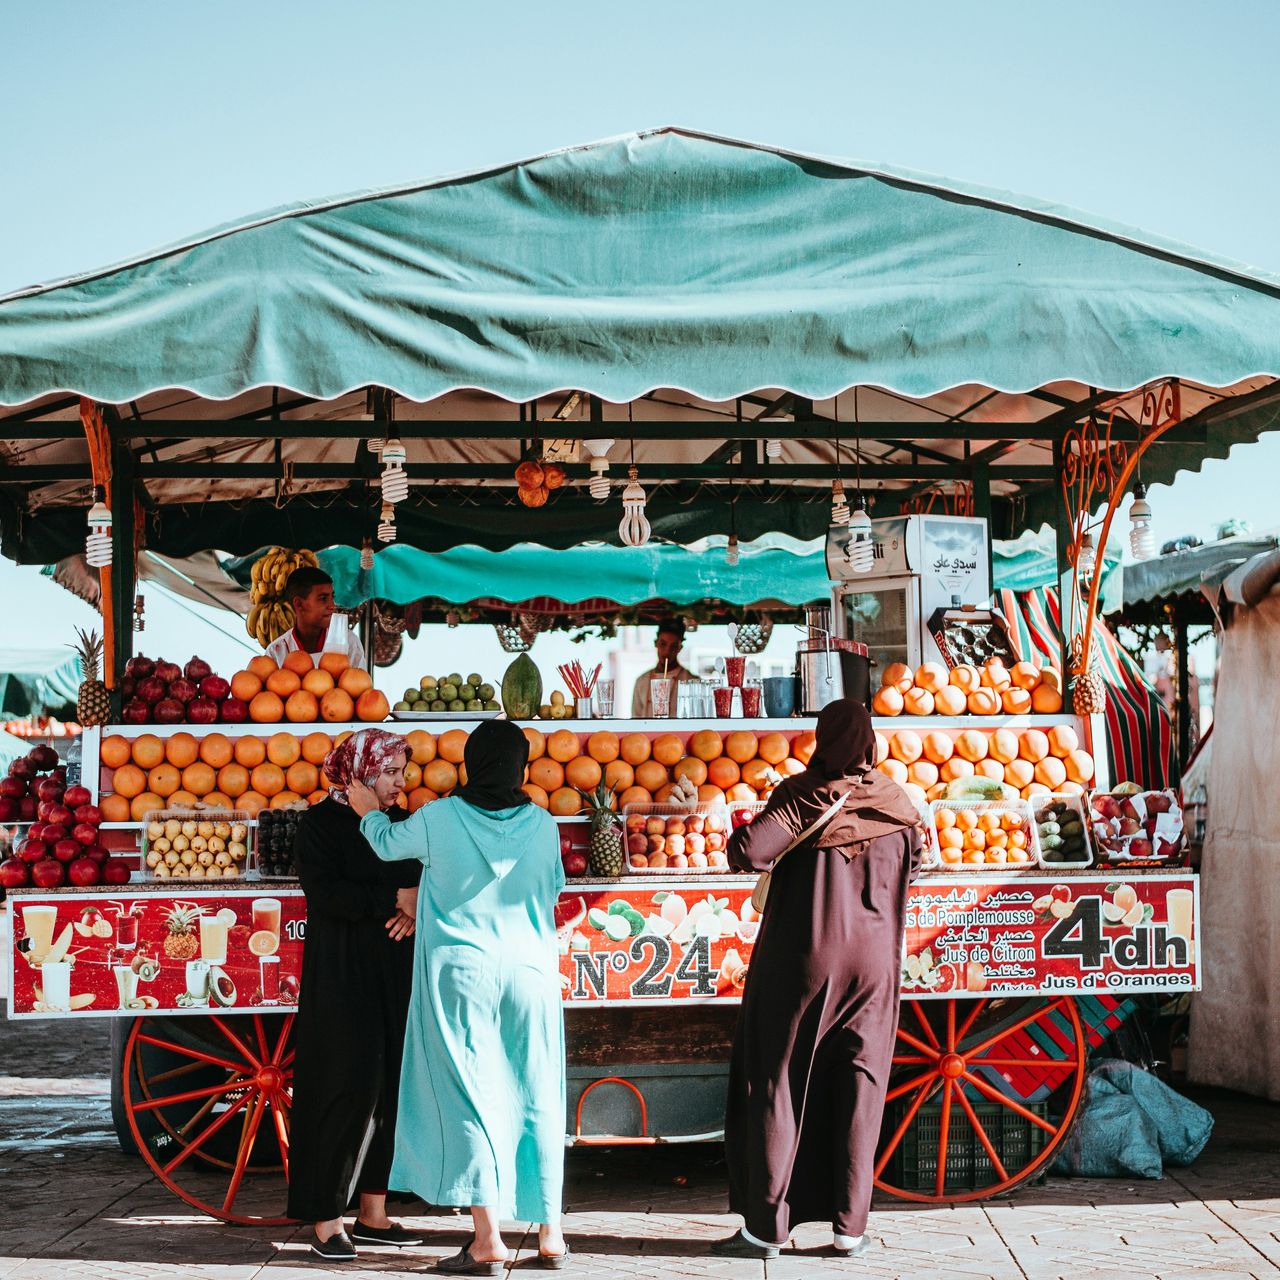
{"points": [[814, 1042]]}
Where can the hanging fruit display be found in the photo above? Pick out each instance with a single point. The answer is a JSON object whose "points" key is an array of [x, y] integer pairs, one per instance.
{"points": [[270, 614], [536, 481]]}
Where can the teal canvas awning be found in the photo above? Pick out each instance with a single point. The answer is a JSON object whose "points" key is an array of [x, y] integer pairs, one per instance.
{"points": [[35, 681]]}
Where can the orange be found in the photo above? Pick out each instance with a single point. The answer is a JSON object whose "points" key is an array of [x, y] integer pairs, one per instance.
{"points": [[988, 821], [266, 708], [199, 778], [708, 794], [619, 776], [251, 802], [603, 747], [803, 746], [894, 769], [412, 776], [1033, 745], [636, 748], [1025, 675], [924, 773], [181, 750], [301, 707], [755, 774], [421, 744], [740, 791], [1035, 789], [441, 776], [114, 808], [462, 775], [268, 779], [534, 792], [1052, 677], [663, 794], [283, 682], [956, 767], [164, 780], [790, 767], [1003, 745], [565, 802], [537, 743], [950, 701], [897, 675], [317, 683], [906, 746], [283, 799], [932, 676], [984, 702], [773, 748], [707, 745], [217, 800], [563, 745], [298, 662], [283, 749], [972, 745], [113, 752], [144, 804], [262, 666], [249, 751], [882, 747], [724, 773], [584, 773], [995, 675], [966, 819], [1079, 767], [989, 768], [634, 796], [1070, 788], [1019, 773], [335, 707], [303, 777], [452, 746], [692, 768], [354, 681], [1016, 702], [965, 678], [668, 749], [129, 781], [245, 685], [148, 751], [372, 707], [950, 838], [547, 774], [653, 776], [1051, 772], [918, 702], [1046, 700], [1063, 740], [316, 746], [340, 738], [215, 749], [182, 800], [887, 702], [741, 746], [334, 663], [424, 795], [233, 780]]}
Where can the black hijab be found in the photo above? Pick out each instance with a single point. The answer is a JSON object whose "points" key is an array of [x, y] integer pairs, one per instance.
{"points": [[495, 758]]}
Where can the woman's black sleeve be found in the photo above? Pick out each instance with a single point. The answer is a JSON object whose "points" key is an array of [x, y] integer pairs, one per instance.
{"points": [[320, 869]]}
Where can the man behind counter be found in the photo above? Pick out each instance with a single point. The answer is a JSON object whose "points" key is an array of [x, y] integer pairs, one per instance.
{"points": [[315, 629], [669, 641]]}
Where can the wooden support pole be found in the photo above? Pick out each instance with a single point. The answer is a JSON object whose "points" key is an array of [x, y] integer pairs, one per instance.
{"points": [[123, 586], [1182, 657], [1062, 536]]}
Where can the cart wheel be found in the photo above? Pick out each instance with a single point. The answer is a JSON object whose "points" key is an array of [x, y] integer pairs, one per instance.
{"points": [[950, 1052], [208, 1101]]}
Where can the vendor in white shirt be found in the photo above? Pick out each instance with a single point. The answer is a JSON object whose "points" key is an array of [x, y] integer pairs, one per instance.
{"points": [[316, 628], [668, 643]]}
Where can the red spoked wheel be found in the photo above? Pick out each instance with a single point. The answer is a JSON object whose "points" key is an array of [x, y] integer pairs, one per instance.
{"points": [[208, 1102], [957, 1115]]}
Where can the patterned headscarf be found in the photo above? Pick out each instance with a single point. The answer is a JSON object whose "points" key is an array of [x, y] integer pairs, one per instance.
{"points": [[362, 756]]}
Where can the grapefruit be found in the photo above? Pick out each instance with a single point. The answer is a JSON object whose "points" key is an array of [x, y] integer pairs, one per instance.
{"points": [[372, 706], [547, 774], [233, 780], [1002, 745], [803, 746], [1033, 745], [267, 708], [897, 675], [965, 678], [245, 685], [932, 677], [894, 769], [723, 773], [951, 701], [333, 663], [424, 795], [267, 779], [250, 751], [422, 746], [164, 780], [652, 776], [1063, 740], [181, 750], [303, 777], [1080, 767], [635, 749], [335, 707], [692, 768], [534, 792], [583, 773], [906, 746], [740, 746], [148, 751], [1016, 702], [114, 751], [972, 745], [924, 773], [316, 746], [283, 749], [441, 776], [262, 666], [939, 747], [354, 681], [1025, 675], [563, 745], [412, 776], [451, 747], [755, 774], [298, 662], [199, 779], [1051, 772], [668, 749], [301, 707], [147, 802], [537, 743], [984, 702], [317, 683], [115, 808], [1046, 700], [707, 745], [215, 749], [918, 702], [565, 802], [619, 776], [707, 794], [283, 682], [1019, 773], [955, 768], [887, 702], [773, 748], [129, 781], [635, 796], [252, 802], [603, 747]]}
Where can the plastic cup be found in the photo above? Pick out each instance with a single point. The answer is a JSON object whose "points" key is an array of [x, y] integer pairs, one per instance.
{"points": [[660, 696], [723, 695], [750, 701], [735, 671]]}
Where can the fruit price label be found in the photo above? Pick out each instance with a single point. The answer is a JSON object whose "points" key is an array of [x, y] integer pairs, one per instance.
{"points": [[90, 954], [1037, 935]]}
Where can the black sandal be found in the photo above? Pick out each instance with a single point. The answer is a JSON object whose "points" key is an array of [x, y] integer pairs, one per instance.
{"points": [[554, 1261], [463, 1264]]}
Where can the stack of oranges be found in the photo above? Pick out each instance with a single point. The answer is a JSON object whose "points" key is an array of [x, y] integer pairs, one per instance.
{"points": [[980, 835], [301, 691], [964, 690]]}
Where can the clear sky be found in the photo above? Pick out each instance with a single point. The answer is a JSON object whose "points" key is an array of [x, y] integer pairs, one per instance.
{"points": [[129, 125]]}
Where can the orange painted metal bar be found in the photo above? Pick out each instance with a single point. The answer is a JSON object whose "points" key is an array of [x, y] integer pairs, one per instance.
{"points": [[95, 434]]}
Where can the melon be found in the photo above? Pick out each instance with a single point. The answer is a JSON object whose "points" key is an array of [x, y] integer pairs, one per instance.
{"points": [[522, 689]]}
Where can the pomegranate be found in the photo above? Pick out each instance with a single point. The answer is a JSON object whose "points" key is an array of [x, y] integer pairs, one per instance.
{"points": [[22, 769], [116, 871], [197, 669], [168, 671], [84, 872], [136, 712], [97, 853], [43, 756], [140, 667], [8, 809], [151, 690], [13, 788], [26, 808], [67, 850], [14, 874], [51, 833], [289, 987], [86, 812], [50, 789], [32, 850], [575, 863], [183, 690], [60, 815], [128, 687], [169, 711], [215, 687], [47, 874], [76, 796], [202, 710], [233, 711], [85, 833]]}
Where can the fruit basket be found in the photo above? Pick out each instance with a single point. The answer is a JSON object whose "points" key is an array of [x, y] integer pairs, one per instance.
{"points": [[198, 844], [659, 837], [1136, 828], [1062, 831], [973, 835]]}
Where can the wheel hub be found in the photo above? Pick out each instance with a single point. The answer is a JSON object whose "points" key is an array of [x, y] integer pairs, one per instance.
{"points": [[951, 1066], [270, 1078]]}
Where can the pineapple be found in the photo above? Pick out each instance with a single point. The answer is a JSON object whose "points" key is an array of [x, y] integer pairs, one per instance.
{"points": [[606, 858], [181, 942], [1088, 692], [93, 703]]}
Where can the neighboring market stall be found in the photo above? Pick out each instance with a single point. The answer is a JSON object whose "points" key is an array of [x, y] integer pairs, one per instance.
{"points": [[481, 361]]}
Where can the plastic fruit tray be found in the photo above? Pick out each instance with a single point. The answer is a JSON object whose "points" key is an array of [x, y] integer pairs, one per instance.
{"points": [[206, 835], [660, 854], [1008, 816], [1071, 804]]}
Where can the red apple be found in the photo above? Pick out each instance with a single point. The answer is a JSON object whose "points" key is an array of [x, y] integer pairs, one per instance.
{"points": [[136, 712], [168, 711], [183, 690], [202, 710], [97, 853], [151, 690], [61, 815], [233, 711], [84, 872], [575, 863], [168, 671], [43, 756], [85, 833], [13, 788], [14, 874], [76, 796], [50, 789], [215, 687], [116, 871], [140, 667], [68, 850], [197, 669], [1060, 893], [47, 874], [32, 850]]}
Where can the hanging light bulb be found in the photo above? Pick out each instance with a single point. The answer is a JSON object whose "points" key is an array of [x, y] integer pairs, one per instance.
{"points": [[395, 480], [634, 529], [861, 551], [97, 546], [1142, 538], [366, 556], [731, 553], [1087, 556], [773, 445], [839, 506], [387, 523], [598, 486]]}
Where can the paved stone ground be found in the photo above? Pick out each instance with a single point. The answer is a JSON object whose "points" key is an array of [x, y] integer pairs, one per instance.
{"points": [[73, 1205]]}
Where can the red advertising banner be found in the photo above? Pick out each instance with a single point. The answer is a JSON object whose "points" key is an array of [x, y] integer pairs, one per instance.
{"points": [[89, 954], [1090, 935]]}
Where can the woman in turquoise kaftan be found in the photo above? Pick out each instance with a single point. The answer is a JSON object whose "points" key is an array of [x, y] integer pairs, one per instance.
{"points": [[482, 1085]]}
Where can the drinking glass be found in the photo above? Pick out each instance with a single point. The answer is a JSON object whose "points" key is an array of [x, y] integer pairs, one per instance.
{"points": [[55, 979], [724, 701], [603, 699], [213, 940], [269, 969], [735, 670], [660, 696], [751, 701]]}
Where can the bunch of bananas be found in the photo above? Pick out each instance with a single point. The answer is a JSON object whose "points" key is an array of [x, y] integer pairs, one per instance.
{"points": [[271, 615]]}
